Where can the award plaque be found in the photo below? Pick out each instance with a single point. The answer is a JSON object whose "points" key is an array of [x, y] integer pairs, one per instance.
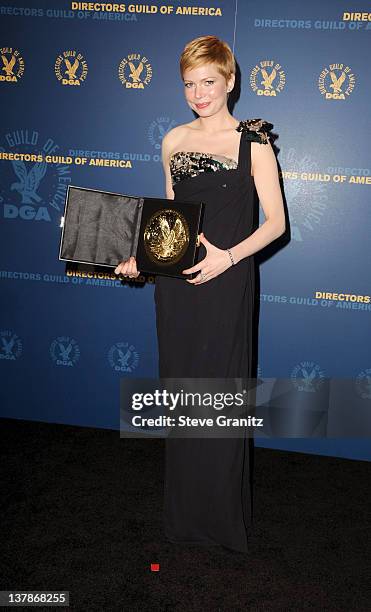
{"points": [[104, 228]]}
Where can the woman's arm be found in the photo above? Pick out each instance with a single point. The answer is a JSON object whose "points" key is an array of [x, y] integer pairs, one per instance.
{"points": [[166, 149], [265, 173]]}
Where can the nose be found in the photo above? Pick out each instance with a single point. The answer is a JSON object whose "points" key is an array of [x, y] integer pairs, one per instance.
{"points": [[199, 93]]}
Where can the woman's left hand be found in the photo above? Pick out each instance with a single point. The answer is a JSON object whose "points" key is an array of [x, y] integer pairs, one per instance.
{"points": [[214, 263]]}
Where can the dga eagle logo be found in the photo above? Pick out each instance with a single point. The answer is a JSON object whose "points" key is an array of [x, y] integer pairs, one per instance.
{"points": [[64, 351], [12, 65], [336, 82], [28, 182], [10, 345], [307, 200], [135, 71], [307, 376], [71, 68], [29, 189], [363, 384], [123, 357], [267, 78], [157, 130]]}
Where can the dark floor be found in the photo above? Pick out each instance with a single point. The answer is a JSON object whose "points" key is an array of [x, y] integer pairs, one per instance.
{"points": [[81, 511]]}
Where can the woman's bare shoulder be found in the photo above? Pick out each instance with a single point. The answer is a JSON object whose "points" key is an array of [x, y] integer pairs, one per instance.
{"points": [[177, 132], [174, 137]]}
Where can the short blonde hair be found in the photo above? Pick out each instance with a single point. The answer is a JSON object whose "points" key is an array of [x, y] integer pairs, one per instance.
{"points": [[208, 50]]}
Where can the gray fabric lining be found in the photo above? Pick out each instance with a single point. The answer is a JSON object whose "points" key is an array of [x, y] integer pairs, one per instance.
{"points": [[100, 227]]}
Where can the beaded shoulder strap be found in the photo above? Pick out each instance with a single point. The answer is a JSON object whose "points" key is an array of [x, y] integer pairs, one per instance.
{"points": [[256, 130]]}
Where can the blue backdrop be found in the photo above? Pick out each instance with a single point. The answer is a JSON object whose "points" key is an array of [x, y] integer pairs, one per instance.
{"points": [[73, 113]]}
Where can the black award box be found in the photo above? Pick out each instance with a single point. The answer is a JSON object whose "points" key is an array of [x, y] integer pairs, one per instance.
{"points": [[104, 228]]}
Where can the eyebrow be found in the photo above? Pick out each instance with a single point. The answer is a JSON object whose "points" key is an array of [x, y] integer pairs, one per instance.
{"points": [[205, 79]]}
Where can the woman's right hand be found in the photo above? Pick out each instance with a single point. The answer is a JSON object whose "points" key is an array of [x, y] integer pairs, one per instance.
{"points": [[128, 268]]}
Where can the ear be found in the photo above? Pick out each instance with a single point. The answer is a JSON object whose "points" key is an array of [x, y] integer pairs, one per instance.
{"points": [[230, 82]]}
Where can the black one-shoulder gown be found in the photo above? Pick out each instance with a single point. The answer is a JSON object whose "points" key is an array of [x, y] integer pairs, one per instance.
{"points": [[205, 331]]}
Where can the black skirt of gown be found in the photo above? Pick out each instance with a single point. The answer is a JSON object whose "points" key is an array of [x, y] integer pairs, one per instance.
{"points": [[205, 331]]}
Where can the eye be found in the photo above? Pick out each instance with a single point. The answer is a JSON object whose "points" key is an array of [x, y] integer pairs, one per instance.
{"points": [[210, 82], [187, 85]]}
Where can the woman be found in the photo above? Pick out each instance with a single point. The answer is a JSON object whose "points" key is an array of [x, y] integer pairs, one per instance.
{"points": [[204, 323]]}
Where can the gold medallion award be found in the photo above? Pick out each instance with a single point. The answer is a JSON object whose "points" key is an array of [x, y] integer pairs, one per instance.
{"points": [[166, 236]]}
